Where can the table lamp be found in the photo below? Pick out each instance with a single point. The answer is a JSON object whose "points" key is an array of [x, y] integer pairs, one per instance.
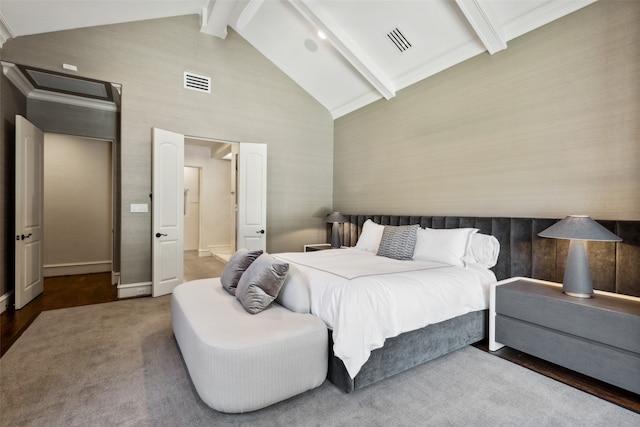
{"points": [[335, 218], [578, 229]]}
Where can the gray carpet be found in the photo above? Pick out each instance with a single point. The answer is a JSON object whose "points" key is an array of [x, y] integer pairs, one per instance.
{"points": [[117, 364]]}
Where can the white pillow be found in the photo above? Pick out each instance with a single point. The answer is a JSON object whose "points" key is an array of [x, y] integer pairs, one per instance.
{"points": [[445, 245], [483, 249], [369, 239]]}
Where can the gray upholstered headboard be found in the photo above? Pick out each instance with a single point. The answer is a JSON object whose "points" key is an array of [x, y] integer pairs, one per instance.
{"points": [[615, 267]]}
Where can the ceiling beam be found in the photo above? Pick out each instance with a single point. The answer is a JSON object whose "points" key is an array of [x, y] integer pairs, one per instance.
{"points": [[215, 18], [489, 31], [5, 31], [221, 13], [248, 12], [345, 45]]}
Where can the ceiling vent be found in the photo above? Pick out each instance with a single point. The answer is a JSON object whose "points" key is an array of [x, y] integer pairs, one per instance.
{"points": [[399, 40], [196, 82]]}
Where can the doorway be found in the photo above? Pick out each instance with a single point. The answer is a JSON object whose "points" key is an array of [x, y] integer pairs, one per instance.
{"points": [[167, 215], [94, 117], [78, 181], [210, 200]]}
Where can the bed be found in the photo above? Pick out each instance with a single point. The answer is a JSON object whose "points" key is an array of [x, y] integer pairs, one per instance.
{"points": [[403, 344], [394, 281]]}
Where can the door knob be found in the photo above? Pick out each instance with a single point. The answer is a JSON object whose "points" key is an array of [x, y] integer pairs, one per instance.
{"points": [[260, 232], [160, 234], [22, 236]]}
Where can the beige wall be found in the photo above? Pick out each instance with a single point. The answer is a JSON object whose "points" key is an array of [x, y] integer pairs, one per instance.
{"points": [[251, 101], [546, 128], [77, 205]]}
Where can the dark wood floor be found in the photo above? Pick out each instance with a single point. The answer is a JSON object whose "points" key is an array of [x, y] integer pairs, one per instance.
{"points": [[605, 391], [59, 292], [71, 291]]}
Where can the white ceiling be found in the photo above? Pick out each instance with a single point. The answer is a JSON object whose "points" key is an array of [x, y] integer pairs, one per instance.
{"points": [[355, 65]]}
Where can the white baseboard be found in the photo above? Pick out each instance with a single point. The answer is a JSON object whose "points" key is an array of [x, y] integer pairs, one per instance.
{"points": [[69, 269], [204, 253], [222, 253], [4, 301], [132, 290]]}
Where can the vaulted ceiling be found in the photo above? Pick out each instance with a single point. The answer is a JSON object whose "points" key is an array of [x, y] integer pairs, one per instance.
{"points": [[371, 48]]}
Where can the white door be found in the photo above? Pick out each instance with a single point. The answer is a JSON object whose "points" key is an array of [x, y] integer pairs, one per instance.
{"points": [[252, 196], [167, 211], [28, 211]]}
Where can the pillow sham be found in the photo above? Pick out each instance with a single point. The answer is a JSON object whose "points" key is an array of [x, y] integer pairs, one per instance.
{"points": [[483, 249], [444, 245], [237, 265], [398, 242], [369, 239], [260, 284]]}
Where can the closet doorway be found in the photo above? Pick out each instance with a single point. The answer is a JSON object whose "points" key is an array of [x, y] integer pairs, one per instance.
{"points": [[78, 205], [74, 106], [210, 198]]}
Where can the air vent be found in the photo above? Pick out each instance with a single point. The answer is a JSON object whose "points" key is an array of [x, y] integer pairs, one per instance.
{"points": [[196, 82], [399, 40]]}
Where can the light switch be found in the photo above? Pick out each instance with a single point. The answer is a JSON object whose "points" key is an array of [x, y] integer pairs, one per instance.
{"points": [[139, 207]]}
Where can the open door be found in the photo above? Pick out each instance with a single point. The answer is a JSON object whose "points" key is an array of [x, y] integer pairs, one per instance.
{"points": [[167, 211], [28, 211], [252, 196]]}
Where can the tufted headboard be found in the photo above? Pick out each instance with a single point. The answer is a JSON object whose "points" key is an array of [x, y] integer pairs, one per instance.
{"points": [[615, 267]]}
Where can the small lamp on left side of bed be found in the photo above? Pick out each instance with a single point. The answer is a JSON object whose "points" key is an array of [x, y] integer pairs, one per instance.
{"points": [[335, 218]]}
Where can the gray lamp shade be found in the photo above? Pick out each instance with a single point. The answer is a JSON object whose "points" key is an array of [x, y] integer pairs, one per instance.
{"points": [[335, 218], [578, 229]]}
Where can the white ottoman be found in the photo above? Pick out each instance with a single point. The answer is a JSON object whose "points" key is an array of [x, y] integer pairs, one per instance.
{"points": [[241, 362]]}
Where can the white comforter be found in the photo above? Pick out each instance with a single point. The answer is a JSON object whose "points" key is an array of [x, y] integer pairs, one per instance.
{"points": [[366, 299]]}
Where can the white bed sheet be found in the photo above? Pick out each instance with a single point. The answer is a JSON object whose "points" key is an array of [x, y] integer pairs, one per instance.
{"points": [[366, 299]]}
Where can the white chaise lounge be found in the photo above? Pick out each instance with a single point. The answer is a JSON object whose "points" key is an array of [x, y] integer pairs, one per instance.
{"points": [[242, 362]]}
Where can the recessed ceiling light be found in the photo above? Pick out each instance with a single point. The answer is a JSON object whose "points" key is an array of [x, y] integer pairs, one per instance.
{"points": [[322, 35]]}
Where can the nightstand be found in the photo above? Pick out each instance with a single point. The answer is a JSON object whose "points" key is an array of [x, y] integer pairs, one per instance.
{"points": [[317, 247], [598, 337]]}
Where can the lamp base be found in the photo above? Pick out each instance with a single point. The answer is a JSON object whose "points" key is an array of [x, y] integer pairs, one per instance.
{"points": [[577, 276], [335, 236], [577, 295]]}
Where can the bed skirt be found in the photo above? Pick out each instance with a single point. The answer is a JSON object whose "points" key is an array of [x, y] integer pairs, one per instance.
{"points": [[411, 349]]}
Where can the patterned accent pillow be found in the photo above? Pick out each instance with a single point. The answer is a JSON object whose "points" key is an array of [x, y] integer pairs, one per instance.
{"points": [[237, 265], [398, 241]]}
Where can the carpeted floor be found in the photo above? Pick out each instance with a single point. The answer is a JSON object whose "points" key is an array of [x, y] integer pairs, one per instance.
{"points": [[117, 364]]}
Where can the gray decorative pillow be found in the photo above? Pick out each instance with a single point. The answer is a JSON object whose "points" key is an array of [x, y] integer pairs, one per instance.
{"points": [[260, 284], [398, 242], [237, 265]]}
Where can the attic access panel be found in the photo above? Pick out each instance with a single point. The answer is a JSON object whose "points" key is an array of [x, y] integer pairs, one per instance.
{"points": [[70, 85]]}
